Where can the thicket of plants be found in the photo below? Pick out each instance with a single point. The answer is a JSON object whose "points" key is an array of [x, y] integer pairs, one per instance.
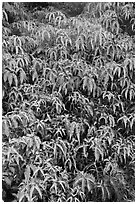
{"points": [[68, 103]]}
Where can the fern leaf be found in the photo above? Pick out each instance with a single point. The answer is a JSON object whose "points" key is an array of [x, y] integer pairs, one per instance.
{"points": [[72, 129], [10, 78]]}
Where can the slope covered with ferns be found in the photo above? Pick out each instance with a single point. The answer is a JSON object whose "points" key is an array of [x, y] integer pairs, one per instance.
{"points": [[68, 103]]}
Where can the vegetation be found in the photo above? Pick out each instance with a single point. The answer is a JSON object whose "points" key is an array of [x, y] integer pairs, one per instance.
{"points": [[68, 102]]}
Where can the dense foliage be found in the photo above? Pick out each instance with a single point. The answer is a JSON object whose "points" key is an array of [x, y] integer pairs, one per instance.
{"points": [[68, 103]]}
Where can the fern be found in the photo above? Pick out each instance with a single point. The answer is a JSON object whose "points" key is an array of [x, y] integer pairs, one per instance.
{"points": [[68, 85]]}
